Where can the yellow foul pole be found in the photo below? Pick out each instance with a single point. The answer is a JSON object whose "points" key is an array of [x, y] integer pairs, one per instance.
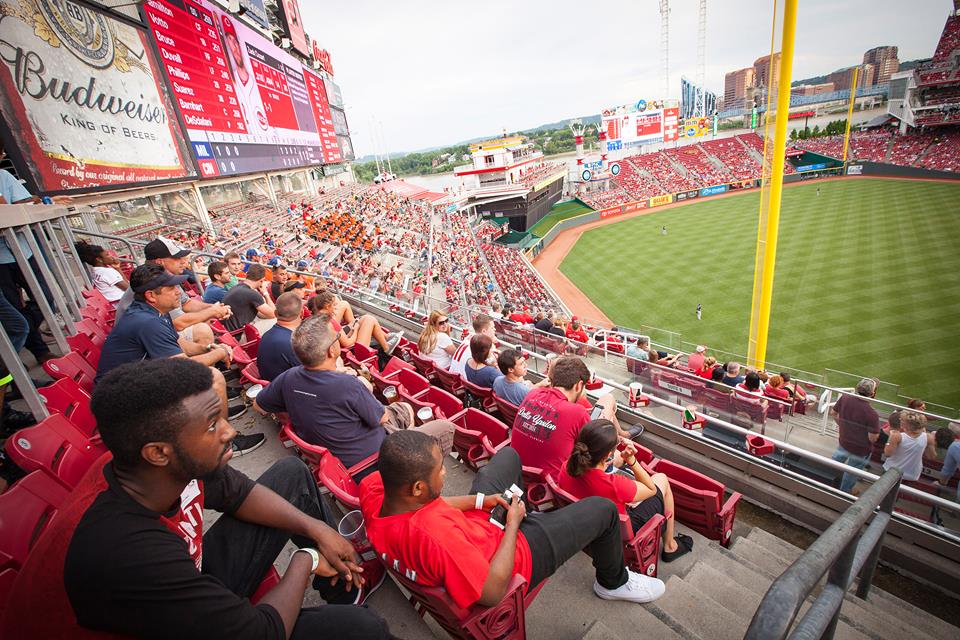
{"points": [[853, 98], [767, 245]]}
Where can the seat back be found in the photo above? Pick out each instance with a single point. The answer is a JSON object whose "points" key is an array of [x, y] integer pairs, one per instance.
{"points": [[93, 331], [698, 501], [364, 352], [476, 437], [449, 381], [67, 398], [423, 364], [716, 399], [758, 415], [412, 381], [55, 446], [476, 396], [82, 343], [251, 374], [447, 403], [26, 509], [73, 366], [311, 453], [508, 410], [335, 477]]}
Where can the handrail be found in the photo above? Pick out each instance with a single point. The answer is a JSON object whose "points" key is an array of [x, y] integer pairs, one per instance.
{"points": [[846, 551]]}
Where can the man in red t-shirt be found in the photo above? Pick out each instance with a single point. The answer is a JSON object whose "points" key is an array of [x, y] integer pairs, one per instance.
{"points": [[550, 418], [450, 541], [859, 426]]}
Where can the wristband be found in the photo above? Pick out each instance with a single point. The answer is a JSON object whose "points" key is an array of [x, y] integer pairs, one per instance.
{"points": [[314, 557], [479, 503]]}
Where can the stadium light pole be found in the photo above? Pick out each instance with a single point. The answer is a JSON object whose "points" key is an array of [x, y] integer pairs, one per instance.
{"points": [[768, 228]]}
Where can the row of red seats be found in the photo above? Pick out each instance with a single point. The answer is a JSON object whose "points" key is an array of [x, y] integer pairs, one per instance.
{"points": [[520, 284]]}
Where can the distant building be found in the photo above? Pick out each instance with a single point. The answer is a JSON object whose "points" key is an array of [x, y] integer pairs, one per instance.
{"points": [[841, 78], [812, 89], [735, 88], [688, 100], [766, 72], [885, 63]]}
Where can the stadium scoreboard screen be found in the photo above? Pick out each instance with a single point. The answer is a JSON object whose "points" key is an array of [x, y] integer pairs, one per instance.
{"points": [[640, 123], [247, 105]]}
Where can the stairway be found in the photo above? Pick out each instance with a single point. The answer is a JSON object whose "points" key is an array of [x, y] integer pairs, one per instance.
{"points": [[717, 597]]}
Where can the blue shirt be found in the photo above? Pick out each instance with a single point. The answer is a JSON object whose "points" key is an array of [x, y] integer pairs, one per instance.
{"points": [[275, 353], [483, 377], [328, 408], [213, 294], [13, 191], [512, 392], [950, 463], [144, 334]]}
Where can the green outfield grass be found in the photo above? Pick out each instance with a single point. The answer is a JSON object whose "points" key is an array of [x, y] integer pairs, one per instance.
{"points": [[867, 280]]}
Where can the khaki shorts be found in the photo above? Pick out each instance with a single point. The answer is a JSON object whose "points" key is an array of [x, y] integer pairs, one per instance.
{"points": [[400, 416]]}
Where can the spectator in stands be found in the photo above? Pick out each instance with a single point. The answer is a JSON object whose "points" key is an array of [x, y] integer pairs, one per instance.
{"points": [[640, 497], [333, 409], [275, 354], [435, 342], [520, 317], [695, 360], [908, 445], [477, 371], [640, 350], [250, 299], [361, 330], [496, 311], [732, 376], [662, 359], [450, 542], [706, 369], [575, 332], [219, 274], [280, 277], [104, 269], [147, 333], [716, 379], [132, 566], [236, 269], [797, 392], [559, 327], [951, 460], [482, 324], [749, 390], [543, 321], [512, 386], [550, 418], [775, 388], [859, 428]]}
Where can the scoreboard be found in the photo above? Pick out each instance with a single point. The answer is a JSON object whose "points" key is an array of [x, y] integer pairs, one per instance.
{"points": [[248, 106]]}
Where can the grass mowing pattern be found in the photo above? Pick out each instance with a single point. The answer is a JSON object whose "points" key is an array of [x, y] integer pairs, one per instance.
{"points": [[867, 280]]}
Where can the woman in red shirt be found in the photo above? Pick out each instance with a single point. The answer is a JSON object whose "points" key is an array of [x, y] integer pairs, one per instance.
{"points": [[640, 497]]}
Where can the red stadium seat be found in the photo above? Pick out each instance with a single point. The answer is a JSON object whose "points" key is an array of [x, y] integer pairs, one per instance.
{"points": [[641, 549], [339, 481], [444, 405], [477, 437], [449, 381], [251, 375], [508, 410], [73, 366], [539, 496], [67, 398], [310, 453], [96, 333], [55, 446], [411, 382], [424, 365], [479, 397], [698, 501], [82, 344]]}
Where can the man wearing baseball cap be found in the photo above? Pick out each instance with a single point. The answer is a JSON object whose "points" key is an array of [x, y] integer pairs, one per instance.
{"points": [[695, 360]]}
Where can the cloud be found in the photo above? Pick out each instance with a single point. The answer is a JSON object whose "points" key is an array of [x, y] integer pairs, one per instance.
{"points": [[433, 73]]}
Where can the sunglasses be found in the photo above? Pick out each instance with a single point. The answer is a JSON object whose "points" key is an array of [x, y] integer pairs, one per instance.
{"points": [[444, 321]]}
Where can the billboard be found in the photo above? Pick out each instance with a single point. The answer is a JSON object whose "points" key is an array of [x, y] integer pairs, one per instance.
{"points": [[83, 100], [333, 93], [256, 11], [323, 57], [324, 118], [292, 25], [246, 104], [644, 122], [340, 122]]}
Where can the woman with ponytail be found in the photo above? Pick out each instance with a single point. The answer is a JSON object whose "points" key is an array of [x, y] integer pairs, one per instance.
{"points": [[641, 497]]}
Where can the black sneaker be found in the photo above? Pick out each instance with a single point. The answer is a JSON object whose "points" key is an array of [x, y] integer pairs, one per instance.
{"points": [[243, 445], [235, 411], [14, 420], [233, 392], [338, 594]]}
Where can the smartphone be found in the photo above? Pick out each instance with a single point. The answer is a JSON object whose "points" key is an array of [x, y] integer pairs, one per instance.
{"points": [[498, 515]]}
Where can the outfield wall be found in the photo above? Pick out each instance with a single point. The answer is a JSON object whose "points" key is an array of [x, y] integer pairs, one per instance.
{"points": [[881, 169]]}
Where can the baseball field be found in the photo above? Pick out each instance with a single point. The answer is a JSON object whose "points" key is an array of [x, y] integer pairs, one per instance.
{"points": [[867, 279]]}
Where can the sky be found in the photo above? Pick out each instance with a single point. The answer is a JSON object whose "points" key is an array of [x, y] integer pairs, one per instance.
{"points": [[429, 74]]}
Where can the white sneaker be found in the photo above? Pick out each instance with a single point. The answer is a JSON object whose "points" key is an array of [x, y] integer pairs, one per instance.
{"points": [[638, 588], [394, 340]]}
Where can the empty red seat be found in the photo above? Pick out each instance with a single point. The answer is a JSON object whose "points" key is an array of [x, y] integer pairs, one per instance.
{"points": [[699, 501], [83, 344], [73, 366], [452, 382], [96, 333], [477, 437], [55, 446], [424, 365], [443, 404], [412, 383], [67, 398], [251, 374]]}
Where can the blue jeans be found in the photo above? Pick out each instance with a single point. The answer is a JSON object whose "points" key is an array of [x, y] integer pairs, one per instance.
{"points": [[860, 462], [14, 324]]}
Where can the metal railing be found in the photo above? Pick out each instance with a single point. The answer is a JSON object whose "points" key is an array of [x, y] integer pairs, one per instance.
{"points": [[844, 552]]}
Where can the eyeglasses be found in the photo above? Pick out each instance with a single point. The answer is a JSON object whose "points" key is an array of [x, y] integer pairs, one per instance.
{"points": [[444, 321]]}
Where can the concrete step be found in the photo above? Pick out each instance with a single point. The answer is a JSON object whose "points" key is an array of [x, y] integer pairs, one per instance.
{"points": [[878, 622], [774, 545], [686, 606], [916, 618], [727, 563], [647, 625], [752, 553]]}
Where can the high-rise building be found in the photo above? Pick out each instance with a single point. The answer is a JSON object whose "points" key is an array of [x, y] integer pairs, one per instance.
{"points": [[812, 89], [841, 78], [735, 85], [766, 71], [885, 63]]}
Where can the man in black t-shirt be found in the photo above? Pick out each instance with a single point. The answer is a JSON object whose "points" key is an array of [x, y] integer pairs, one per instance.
{"points": [[280, 277], [138, 562], [249, 299]]}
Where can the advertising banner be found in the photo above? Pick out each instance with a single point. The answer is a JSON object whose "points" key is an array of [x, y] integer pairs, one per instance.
{"points": [[656, 201], [644, 122], [855, 170], [321, 113], [712, 191], [812, 167], [83, 100], [245, 102], [634, 206], [609, 212], [687, 195]]}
